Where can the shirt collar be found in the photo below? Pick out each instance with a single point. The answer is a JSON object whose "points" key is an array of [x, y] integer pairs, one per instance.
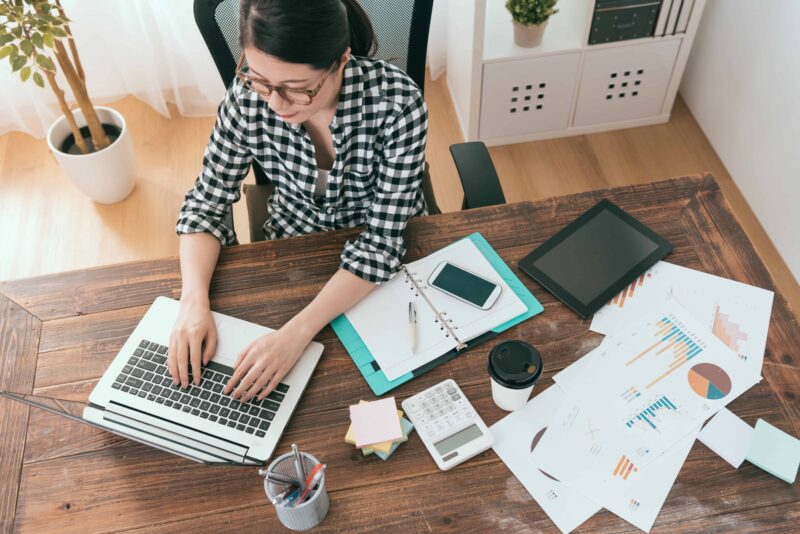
{"points": [[348, 110]]}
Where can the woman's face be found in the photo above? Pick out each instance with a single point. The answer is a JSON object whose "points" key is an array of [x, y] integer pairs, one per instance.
{"points": [[295, 76]]}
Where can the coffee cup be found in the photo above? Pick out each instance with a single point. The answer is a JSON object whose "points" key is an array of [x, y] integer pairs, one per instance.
{"points": [[514, 367]]}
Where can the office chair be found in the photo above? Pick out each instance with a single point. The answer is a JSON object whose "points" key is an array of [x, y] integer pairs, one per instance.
{"points": [[401, 27]]}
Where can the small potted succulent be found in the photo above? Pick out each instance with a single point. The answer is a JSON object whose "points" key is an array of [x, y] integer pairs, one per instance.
{"points": [[530, 18], [91, 144]]}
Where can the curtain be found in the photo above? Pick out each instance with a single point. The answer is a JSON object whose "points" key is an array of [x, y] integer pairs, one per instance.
{"points": [[151, 49]]}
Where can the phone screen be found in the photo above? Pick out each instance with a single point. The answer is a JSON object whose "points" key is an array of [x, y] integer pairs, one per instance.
{"points": [[464, 284]]}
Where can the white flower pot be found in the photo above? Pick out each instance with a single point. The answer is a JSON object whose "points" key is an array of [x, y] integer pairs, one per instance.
{"points": [[528, 36], [107, 176]]}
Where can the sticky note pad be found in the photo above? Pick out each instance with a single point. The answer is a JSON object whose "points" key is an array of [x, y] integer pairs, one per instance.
{"points": [[375, 422], [774, 451], [728, 436], [407, 428], [392, 444], [350, 438]]}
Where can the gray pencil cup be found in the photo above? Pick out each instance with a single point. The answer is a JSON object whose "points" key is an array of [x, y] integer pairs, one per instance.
{"points": [[303, 516]]}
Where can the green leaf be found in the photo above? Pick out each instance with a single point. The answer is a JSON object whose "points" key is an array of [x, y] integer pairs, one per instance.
{"points": [[37, 40], [6, 38], [48, 40], [6, 50], [37, 79], [45, 62], [17, 32], [18, 62], [25, 73], [58, 32], [26, 47]]}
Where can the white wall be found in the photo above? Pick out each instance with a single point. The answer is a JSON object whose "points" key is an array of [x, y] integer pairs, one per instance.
{"points": [[742, 84]]}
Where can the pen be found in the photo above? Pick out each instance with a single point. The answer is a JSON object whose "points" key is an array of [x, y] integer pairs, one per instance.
{"points": [[282, 479], [298, 467], [291, 498], [282, 495], [313, 480], [412, 326]]}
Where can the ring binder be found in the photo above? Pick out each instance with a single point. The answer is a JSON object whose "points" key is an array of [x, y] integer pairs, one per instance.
{"points": [[357, 343], [446, 323]]}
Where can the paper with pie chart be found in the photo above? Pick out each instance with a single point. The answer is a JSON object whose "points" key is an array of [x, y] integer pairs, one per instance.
{"points": [[640, 392], [736, 313]]}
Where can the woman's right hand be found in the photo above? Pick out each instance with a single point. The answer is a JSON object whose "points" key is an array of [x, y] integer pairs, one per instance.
{"points": [[193, 339]]}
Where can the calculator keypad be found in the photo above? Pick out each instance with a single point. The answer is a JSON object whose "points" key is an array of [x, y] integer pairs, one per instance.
{"points": [[441, 410]]}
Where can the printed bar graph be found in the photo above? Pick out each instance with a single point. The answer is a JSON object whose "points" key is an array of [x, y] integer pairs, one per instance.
{"points": [[648, 415], [624, 468], [631, 394], [727, 331], [627, 293], [672, 339]]}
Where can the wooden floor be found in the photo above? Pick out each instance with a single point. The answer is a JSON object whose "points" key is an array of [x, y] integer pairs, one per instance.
{"points": [[49, 226]]}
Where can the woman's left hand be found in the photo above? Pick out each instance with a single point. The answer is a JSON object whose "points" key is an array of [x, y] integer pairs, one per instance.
{"points": [[264, 363]]}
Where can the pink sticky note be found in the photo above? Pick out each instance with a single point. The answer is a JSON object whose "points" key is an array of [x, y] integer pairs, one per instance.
{"points": [[376, 421]]}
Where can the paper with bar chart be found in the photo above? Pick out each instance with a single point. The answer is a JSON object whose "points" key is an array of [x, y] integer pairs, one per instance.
{"points": [[736, 313], [646, 387]]}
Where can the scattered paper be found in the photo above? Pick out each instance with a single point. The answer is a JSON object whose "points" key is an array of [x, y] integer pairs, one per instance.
{"points": [[515, 439], [736, 313], [728, 436]]}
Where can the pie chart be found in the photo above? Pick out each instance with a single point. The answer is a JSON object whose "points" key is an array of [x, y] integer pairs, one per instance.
{"points": [[709, 381]]}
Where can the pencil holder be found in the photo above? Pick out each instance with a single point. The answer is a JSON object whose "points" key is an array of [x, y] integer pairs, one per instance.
{"points": [[313, 510]]}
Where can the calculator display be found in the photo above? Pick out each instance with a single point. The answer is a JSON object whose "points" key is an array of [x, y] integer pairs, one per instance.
{"points": [[458, 439]]}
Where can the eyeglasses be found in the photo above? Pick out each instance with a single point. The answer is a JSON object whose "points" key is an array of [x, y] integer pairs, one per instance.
{"points": [[301, 97]]}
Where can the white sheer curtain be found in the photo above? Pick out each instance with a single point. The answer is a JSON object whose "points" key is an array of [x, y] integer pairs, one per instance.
{"points": [[151, 49]]}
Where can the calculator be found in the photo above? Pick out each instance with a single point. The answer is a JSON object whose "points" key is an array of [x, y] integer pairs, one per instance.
{"points": [[449, 426]]}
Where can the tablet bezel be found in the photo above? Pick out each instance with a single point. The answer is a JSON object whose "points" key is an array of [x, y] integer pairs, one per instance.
{"points": [[663, 247]]}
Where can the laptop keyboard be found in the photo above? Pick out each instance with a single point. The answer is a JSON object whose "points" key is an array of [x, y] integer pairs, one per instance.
{"points": [[146, 375]]}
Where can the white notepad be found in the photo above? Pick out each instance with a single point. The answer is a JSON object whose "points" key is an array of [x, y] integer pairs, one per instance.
{"points": [[443, 322]]}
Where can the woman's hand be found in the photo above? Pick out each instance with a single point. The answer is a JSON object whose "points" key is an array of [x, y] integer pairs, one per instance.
{"points": [[193, 338], [265, 362]]}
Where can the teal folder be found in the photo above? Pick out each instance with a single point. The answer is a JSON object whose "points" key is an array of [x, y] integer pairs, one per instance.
{"points": [[370, 369]]}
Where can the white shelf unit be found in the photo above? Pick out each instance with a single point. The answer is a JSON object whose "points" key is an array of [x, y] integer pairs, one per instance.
{"points": [[504, 94]]}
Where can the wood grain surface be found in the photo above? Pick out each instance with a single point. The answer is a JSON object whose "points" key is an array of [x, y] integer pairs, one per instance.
{"points": [[58, 333]]}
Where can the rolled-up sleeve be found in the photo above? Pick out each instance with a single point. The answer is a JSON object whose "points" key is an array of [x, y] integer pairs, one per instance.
{"points": [[226, 162], [378, 251]]}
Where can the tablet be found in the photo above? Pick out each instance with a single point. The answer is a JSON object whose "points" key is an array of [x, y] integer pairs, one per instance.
{"points": [[595, 257]]}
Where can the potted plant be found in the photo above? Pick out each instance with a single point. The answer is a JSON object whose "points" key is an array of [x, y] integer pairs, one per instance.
{"points": [[91, 144], [530, 18]]}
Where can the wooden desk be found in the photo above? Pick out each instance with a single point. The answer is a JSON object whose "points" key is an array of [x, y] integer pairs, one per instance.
{"points": [[58, 333]]}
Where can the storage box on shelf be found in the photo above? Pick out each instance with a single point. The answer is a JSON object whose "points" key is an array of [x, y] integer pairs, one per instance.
{"points": [[506, 94]]}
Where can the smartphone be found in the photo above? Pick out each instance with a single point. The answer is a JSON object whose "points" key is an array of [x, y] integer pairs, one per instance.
{"points": [[464, 285]]}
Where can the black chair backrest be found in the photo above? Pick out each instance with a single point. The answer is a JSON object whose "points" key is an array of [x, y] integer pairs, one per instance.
{"points": [[401, 27]]}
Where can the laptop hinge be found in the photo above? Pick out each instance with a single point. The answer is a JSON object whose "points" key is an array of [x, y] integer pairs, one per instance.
{"points": [[122, 414]]}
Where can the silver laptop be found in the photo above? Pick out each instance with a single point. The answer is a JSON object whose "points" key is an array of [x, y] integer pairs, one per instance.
{"points": [[137, 399]]}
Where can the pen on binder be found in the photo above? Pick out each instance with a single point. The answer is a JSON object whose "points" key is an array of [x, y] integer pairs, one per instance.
{"points": [[412, 326]]}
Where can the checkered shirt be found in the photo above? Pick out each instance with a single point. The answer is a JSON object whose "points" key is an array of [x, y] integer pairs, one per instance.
{"points": [[379, 133]]}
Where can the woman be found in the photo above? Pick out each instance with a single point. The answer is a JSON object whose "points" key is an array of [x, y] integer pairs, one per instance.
{"points": [[340, 135]]}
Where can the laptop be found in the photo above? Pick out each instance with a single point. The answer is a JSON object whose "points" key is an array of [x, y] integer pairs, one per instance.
{"points": [[136, 398]]}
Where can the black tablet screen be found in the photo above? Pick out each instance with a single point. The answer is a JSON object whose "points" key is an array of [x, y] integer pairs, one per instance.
{"points": [[595, 255]]}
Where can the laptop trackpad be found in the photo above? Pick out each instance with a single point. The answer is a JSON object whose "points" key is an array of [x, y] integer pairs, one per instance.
{"points": [[234, 335]]}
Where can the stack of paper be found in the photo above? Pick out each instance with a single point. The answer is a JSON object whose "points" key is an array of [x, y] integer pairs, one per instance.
{"points": [[377, 427]]}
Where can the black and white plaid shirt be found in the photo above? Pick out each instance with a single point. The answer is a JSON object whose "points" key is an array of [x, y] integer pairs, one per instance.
{"points": [[379, 134]]}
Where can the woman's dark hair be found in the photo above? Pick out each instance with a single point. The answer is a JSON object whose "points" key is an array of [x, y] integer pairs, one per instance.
{"points": [[312, 32]]}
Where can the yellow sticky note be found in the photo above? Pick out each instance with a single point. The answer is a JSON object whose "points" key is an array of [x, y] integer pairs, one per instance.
{"points": [[383, 447]]}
